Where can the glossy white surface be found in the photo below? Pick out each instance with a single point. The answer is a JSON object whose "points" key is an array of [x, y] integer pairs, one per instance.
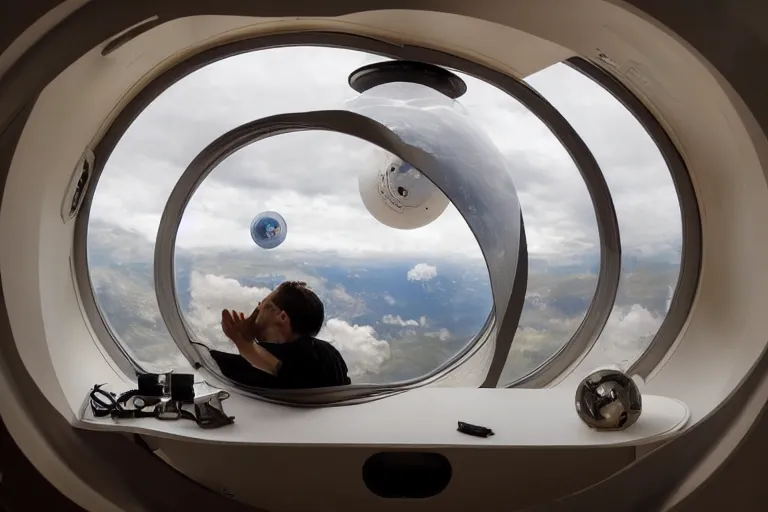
{"points": [[422, 417]]}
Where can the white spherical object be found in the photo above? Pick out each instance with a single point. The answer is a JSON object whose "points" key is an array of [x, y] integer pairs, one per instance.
{"points": [[398, 195]]}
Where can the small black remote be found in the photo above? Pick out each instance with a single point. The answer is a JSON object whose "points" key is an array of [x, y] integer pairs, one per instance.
{"points": [[474, 430]]}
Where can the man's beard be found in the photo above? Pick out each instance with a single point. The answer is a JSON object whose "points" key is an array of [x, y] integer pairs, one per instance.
{"points": [[257, 332]]}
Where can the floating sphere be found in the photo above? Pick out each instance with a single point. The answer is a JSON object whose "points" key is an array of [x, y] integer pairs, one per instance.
{"points": [[608, 399], [268, 230], [398, 195]]}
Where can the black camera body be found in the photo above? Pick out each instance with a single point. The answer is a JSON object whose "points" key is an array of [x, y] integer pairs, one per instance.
{"points": [[179, 387], [166, 392], [164, 396], [170, 392]]}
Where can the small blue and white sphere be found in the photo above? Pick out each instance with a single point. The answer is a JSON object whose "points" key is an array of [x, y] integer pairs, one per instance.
{"points": [[268, 230]]}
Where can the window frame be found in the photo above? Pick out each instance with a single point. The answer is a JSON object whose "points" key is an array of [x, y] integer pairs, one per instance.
{"points": [[365, 128], [687, 284], [597, 314]]}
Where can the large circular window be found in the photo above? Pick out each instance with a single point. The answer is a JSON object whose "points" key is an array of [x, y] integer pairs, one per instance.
{"points": [[399, 303]]}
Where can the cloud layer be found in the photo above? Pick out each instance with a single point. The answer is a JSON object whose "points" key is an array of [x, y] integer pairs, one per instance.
{"points": [[362, 351], [310, 177], [422, 272]]}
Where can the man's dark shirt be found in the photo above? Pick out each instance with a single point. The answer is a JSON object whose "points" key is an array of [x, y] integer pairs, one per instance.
{"points": [[306, 363]]}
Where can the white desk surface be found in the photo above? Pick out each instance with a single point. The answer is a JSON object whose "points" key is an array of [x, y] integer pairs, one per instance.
{"points": [[423, 417]]}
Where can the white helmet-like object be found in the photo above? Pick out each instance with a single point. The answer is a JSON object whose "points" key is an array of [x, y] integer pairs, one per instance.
{"points": [[398, 195]]}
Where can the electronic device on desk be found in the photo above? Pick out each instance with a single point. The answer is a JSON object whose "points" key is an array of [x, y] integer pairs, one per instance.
{"points": [[165, 396]]}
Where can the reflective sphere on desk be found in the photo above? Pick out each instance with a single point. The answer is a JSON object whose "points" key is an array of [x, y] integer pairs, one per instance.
{"points": [[608, 399]]}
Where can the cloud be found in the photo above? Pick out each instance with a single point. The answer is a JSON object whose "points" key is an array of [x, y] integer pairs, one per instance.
{"points": [[443, 334], [362, 351], [422, 272], [342, 300], [627, 334], [397, 320], [629, 159], [210, 294], [311, 177]]}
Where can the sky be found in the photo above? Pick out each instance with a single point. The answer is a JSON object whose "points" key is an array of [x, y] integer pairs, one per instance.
{"points": [[311, 178]]}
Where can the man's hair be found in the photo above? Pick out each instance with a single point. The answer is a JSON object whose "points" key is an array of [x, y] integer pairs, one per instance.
{"points": [[302, 305]]}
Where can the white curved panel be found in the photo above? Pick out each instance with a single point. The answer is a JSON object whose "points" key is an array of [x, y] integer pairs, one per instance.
{"points": [[511, 51], [482, 479], [727, 444], [425, 417]]}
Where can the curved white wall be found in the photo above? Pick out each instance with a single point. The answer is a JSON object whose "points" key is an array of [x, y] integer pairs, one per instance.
{"points": [[63, 345], [725, 332], [718, 136]]}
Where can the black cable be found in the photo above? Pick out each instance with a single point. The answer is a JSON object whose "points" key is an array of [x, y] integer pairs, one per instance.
{"points": [[114, 404], [202, 345], [106, 403], [101, 408]]}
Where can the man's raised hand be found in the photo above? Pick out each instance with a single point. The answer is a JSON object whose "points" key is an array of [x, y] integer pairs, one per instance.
{"points": [[234, 325]]}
